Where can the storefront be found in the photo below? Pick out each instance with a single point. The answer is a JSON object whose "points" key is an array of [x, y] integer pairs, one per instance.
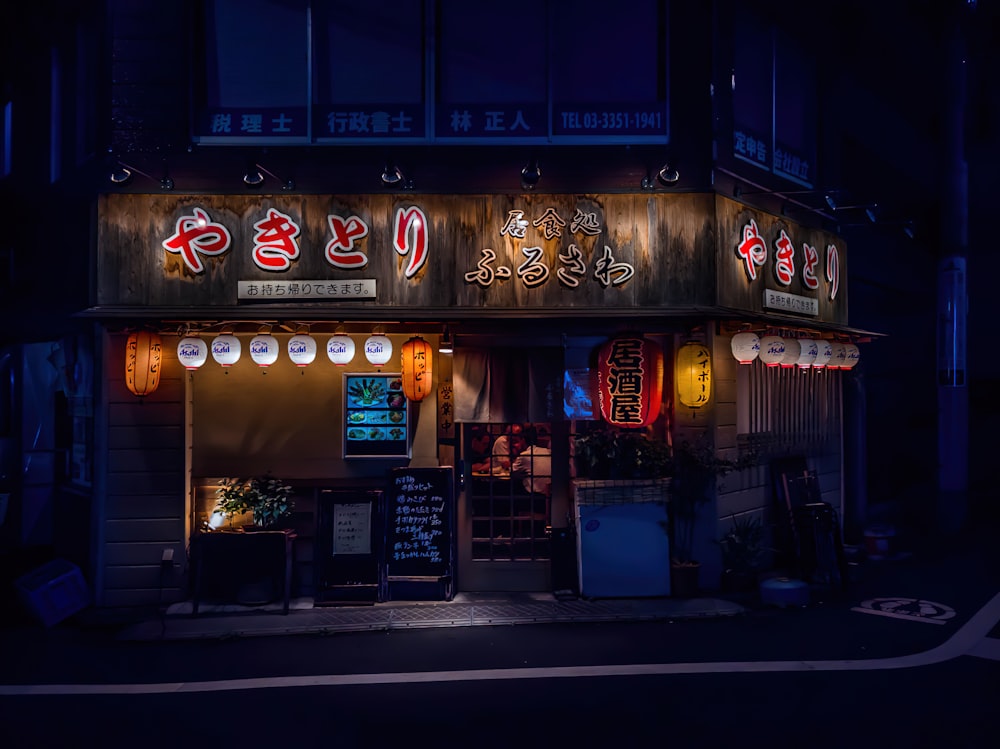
{"points": [[524, 288]]}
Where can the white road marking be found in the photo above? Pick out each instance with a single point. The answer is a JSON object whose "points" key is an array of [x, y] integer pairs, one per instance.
{"points": [[968, 640], [988, 647], [914, 609], [894, 615]]}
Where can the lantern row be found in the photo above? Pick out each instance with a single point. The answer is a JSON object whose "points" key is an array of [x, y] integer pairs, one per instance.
{"points": [[804, 353], [226, 350]]}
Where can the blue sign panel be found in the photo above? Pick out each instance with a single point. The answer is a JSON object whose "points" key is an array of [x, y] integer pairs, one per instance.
{"points": [[524, 120], [255, 122], [596, 119], [370, 121]]}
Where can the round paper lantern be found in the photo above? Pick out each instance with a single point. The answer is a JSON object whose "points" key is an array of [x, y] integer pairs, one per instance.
{"points": [[693, 372], [417, 362], [264, 350], [143, 353], [852, 357], [629, 381], [192, 352], [772, 350], [746, 347], [340, 349], [793, 349], [302, 349], [809, 350], [226, 349], [825, 352], [838, 359], [378, 349]]}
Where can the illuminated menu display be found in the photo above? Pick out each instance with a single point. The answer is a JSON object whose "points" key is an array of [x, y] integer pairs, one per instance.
{"points": [[376, 416]]}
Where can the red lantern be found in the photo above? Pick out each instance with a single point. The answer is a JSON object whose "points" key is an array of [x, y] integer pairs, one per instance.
{"points": [[630, 381], [142, 362], [417, 368]]}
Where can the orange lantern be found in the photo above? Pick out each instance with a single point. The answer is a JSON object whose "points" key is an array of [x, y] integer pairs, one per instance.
{"points": [[142, 362], [417, 368], [630, 381]]}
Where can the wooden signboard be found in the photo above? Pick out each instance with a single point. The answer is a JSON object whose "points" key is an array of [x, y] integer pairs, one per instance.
{"points": [[419, 530], [348, 546]]}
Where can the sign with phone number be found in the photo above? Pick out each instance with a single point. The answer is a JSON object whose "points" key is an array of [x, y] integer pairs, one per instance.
{"points": [[616, 120]]}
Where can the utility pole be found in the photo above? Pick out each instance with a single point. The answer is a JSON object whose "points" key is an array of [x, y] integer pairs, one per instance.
{"points": [[952, 299]]}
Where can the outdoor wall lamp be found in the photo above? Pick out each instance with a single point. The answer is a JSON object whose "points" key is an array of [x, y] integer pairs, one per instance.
{"points": [[668, 175], [121, 174], [530, 175], [393, 177], [254, 177]]}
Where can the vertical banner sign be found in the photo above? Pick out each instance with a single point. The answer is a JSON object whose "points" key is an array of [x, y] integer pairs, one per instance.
{"points": [[446, 410]]}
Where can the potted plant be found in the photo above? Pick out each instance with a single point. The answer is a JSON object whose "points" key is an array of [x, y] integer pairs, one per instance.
{"points": [[696, 468], [608, 454], [743, 550], [266, 498]]}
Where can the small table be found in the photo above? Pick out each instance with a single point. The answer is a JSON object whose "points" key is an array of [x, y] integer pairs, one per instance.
{"points": [[222, 561]]}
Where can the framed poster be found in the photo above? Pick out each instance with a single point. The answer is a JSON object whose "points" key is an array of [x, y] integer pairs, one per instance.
{"points": [[376, 416]]}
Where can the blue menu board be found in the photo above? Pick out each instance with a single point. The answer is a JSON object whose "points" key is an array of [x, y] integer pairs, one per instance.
{"points": [[376, 416]]}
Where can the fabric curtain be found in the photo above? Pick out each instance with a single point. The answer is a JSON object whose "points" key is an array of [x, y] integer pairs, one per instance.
{"points": [[507, 385]]}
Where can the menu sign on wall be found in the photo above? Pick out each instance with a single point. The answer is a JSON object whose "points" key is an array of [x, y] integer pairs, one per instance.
{"points": [[352, 528], [419, 523], [376, 416]]}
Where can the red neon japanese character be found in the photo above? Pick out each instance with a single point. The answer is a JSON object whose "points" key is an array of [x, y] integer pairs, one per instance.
{"points": [[411, 238], [809, 262], [274, 243], [784, 259], [197, 235], [340, 251], [833, 269], [752, 249]]}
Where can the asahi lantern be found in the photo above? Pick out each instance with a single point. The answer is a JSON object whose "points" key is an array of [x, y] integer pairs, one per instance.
{"points": [[838, 359], [793, 349], [852, 357], [417, 373], [226, 349], [825, 352], [746, 347], [378, 350], [693, 372], [264, 350], [808, 351], [143, 354], [340, 349], [192, 352], [302, 349], [630, 381], [772, 350]]}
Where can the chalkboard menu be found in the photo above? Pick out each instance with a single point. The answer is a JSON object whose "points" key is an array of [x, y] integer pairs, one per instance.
{"points": [[376, 416], [419, 523]]}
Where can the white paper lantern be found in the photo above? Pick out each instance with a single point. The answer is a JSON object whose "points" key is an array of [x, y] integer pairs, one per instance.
{"points": [[772, 350], [192, 352], [226, 349], [264, 350], [340, 349], [838, 359], [852, 357], [793, 349], [825, 352], [378, 349], [302, 349], [746, 347], [809, 350]]}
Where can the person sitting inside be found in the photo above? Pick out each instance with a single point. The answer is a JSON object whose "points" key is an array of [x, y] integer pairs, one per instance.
{"points": [[504, 449], [534, 464], [480, 450]]}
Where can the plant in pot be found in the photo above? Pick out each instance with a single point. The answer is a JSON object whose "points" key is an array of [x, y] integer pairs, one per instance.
{"points": [[696, 468], [266, 498], [609, 453], [743, 552]]}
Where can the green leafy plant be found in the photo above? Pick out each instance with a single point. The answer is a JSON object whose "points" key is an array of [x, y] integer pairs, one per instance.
{"points": [[609, 453], [696, 468], [267, 499], [743, 545]]}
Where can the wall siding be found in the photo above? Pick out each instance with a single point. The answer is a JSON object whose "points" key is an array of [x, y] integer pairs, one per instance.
{"points": [[144, 501]]}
